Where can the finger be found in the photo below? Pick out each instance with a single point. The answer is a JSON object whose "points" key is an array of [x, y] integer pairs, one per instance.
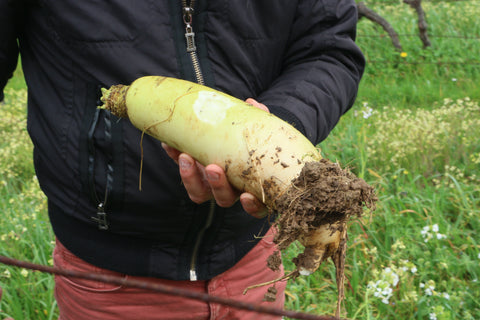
{"points": [[193, 178], [224, 193], [171, 152], [257, 104], [253, 206]]}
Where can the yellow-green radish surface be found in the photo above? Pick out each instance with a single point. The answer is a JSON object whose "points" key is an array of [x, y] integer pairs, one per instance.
{"points": [[260, 154]]}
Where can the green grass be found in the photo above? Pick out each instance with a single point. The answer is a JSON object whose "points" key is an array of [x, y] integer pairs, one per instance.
{"points": [[412, 134], [448, 69]]}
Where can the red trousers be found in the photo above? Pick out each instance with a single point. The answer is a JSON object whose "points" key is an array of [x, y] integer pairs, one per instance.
{"points": [[80, 299]]}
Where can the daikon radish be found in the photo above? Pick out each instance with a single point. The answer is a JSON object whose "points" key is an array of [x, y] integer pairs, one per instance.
{"points": [[260, 153]]}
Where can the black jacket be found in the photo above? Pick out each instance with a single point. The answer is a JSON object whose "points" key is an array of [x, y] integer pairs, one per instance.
{"points": [[297, 57]]}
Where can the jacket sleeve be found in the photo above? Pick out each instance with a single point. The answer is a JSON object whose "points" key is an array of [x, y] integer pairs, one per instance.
{"points": [[10, 24], [322, 68]]}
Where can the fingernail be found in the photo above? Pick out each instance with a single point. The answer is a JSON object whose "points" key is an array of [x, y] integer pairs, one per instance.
{"points": [[249, 203], [184, 164], [213, 176]]}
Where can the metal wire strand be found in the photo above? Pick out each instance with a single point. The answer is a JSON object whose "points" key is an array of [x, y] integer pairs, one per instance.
{"points": [[163, 289]]}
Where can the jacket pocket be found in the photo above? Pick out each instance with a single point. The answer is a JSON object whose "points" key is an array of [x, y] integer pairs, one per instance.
{"points": [[100, 156], [97, 21]]}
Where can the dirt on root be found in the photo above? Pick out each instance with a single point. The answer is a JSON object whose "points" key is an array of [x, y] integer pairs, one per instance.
{"points": [[324, 193]]}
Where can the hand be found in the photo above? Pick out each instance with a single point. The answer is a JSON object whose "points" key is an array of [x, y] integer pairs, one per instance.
{"points": [[204, 183]]}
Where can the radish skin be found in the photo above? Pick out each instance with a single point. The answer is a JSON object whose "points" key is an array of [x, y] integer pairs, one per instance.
{"points": [[320, 244]]}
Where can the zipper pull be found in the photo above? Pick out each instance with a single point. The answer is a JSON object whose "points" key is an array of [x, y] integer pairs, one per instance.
{"points": [[189, 34], [193, 275], [101, 217], [190, 37]]}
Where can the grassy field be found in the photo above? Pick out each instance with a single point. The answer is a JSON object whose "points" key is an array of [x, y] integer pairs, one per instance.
{"points": [[413, 134]]}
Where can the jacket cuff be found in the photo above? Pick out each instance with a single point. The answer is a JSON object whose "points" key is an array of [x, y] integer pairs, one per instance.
{"points": [[289, 117]]}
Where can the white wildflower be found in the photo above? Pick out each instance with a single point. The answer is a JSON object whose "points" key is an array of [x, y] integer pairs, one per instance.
{"points": [[441, 236], [383, 288], [430, 232], [429, 291], [429, 288], [367, 113], [24, 272]]}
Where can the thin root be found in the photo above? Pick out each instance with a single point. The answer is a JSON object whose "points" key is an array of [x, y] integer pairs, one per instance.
{"points": [[141, 162], [339, 261], [141, 142], [288, 276]]}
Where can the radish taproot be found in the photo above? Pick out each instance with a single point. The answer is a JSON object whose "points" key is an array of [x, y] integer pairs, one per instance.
{"points": [[260, 153]]}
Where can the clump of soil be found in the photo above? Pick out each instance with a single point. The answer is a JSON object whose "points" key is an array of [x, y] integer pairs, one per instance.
{"points": [[271, 294], [323, 194], [274, 261]]}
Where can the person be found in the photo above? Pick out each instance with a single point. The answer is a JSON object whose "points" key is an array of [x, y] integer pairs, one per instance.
{"points": [[187, 227]]}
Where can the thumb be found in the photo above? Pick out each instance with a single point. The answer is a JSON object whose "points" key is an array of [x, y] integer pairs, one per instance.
{"points": [[257, 104]]}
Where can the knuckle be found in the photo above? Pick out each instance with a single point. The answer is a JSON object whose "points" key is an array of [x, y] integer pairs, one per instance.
{"points": [[197, 199], [225, 202], [200, 197]]}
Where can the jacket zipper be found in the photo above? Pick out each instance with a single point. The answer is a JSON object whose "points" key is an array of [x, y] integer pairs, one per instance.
{"points": [[192, 51], [190, 39], [200, 235]]}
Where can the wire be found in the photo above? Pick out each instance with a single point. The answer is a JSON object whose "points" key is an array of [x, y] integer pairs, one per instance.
{"points": [[416, 36], [469, 62], [423, 1], [163, 289]]}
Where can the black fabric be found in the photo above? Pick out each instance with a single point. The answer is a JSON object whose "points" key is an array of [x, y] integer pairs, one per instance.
{"points": [[11, 17], [146, 257], [297, 57], [287, 116]]}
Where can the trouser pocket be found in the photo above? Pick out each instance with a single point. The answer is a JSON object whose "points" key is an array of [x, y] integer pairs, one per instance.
{"points": [[65, 259]]}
